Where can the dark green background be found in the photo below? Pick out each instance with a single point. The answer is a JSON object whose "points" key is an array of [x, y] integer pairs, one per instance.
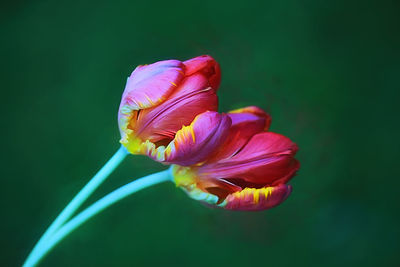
{"points": [[327, 71]]}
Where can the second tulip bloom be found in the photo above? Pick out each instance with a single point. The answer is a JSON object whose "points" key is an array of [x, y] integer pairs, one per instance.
{"points": [[250, 169]]}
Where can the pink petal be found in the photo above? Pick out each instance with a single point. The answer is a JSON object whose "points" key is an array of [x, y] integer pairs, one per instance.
{"points": [[194, 143], [246, 122], [239, 115], [267, 143], [192, 97], [207, 66], [149, 85], [265, 160], [251, 199]]}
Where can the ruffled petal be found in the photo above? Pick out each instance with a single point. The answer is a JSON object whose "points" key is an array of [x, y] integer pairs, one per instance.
{"points": [[193, 144], [267, 159], [252, 199], [207, 66]]}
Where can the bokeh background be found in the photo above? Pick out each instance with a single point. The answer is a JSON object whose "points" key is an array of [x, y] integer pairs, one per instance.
{"points": [[327, 71]]}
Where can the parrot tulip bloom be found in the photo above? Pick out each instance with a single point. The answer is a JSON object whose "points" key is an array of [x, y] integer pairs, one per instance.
{"points": [[249, 171], [163, 111]]}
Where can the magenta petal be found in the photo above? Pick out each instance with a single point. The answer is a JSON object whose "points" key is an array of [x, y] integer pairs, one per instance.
{"points": [[149, 85], [194, 143], [192, 97], [267, 144], [250, 113], [264, 160], [251, 199], [205, 65], [245, 124]]}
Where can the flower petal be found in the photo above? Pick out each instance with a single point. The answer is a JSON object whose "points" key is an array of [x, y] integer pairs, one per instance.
{"points": [[200, 195], [186, 177], [149, 85], [267, 143], [267, 159], [192, 97], [252, 199], [246, 122], [206, 65], [247, 113], [210, 192], [192, 144]]}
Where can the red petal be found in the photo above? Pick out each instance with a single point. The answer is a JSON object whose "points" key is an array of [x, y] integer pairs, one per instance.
{"points": [[246, 122], [265, 160], [267, 144], [256, 111], [192, 97], [251, 199], [207, 66]]}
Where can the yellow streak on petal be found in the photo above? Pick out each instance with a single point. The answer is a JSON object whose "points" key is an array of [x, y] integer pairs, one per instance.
{"points": [[174, 84], [241, 110], [268, 191], [255, 192], [168, 151], [256, 196], [148, 99], [183, 134], [193, 136], [132, 144]]}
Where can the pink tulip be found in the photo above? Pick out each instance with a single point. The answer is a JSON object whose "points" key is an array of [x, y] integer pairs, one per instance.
{"points": [[250, 169], [166, 111]]}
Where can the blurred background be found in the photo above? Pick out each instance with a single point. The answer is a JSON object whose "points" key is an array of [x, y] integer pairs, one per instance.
{"points": [[327, 72]]}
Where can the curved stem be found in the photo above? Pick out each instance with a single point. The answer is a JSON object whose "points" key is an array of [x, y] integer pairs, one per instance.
{"points": [[97, 207], [76, 202]]}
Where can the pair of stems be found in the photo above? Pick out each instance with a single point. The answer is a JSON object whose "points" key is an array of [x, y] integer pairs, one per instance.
{"points": [[60, 228]]}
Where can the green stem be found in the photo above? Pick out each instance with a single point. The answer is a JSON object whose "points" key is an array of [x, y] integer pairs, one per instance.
{"points": [[75, 203], [98, 206]]}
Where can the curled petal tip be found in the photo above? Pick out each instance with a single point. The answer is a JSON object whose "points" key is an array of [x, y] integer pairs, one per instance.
{"points": [[251, 113], [206, 65]]}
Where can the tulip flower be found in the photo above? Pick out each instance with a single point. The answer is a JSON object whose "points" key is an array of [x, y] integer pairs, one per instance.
{"points": [[163, 111], [168, 112], [250, 169]]}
